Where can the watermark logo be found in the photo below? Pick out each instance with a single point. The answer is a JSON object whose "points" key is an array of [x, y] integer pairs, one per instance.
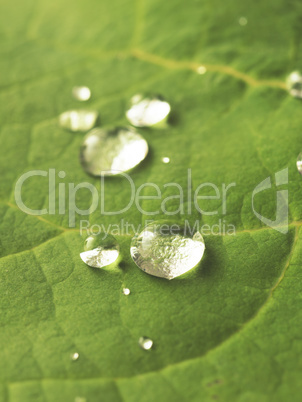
{"points": [[169, 199], [281, 222]]}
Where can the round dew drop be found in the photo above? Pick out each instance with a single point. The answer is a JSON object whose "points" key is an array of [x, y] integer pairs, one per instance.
{"points": [[75, 356], [294, 84], [148, 111], [99, 252], [78, 120], [145, 343], [201, 70], [299, 163], [110, 152], [126, 291], [81, 93], [242, 21]]}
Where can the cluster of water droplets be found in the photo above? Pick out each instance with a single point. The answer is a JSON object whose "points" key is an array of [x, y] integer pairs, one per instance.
{"points": [[107, 152]]}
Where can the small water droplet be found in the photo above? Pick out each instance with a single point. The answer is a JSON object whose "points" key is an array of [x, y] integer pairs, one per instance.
{"points": [[294, 84], [126, 291], [299, 163], [81, 93], [242, 21], [99, 251], [148, 111], [110, 152], [75, 356], [166, 159], [145, 343], [201, 70], [166, 250], [78, 120]]}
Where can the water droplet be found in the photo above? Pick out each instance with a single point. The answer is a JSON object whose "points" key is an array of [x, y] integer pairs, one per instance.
{"points": [[80, 399], [149, 111], [201, 70], [81, 93], [99, 251], [166, 159], [145, 343], [299, 163], [242, 21], [294, 84], [75, 356], [78, 120], [109, 152], [166, 250], [126, 291]]}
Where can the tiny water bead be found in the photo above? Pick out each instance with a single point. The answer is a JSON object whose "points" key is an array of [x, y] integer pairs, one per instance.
{"points": [[75, 356], [148, 111], [299, 163], [145, 343], [81, 93], [110, 152], [242, 21], [126, 291], [167, 250], [294, 84], [78, 119], [100, 250], [201, 70], [165, 159]]}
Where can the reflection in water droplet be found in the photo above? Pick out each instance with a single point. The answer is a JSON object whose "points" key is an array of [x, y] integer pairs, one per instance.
{"points": [[166, 250], [78, 120], [299, 163], [242, 21], [294, 84], [126, 291], [110, 152], [145, 343], [148, 111], [99, 252], [75, 356], [166, 159], [81, 93], [201, 70]]}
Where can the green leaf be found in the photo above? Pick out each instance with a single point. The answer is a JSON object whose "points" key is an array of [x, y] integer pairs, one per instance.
{"points": [[229, 329]]}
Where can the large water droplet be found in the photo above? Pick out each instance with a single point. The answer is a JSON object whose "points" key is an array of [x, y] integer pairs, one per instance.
{"points": [[145, 343], [299, 163], [109, 152], [78, 120], [99, 252], [81, 93], [148, 111], [294, 84], [166, 250]]}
